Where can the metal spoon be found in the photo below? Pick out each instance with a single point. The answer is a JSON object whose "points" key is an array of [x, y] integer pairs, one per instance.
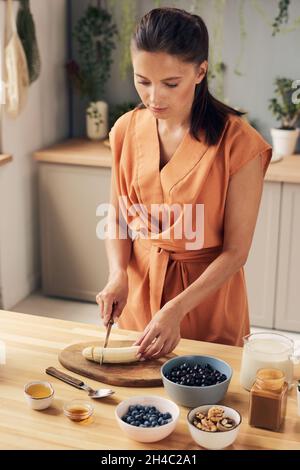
{"points": [[100, 393]]}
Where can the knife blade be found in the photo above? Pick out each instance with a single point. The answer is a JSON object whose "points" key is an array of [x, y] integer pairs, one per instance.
{"points": [[110, 324]]}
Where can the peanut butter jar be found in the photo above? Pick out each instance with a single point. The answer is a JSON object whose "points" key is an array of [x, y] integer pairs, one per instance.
{"points": [[268, 397]]}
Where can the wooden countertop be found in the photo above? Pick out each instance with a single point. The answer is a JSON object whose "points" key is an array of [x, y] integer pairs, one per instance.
{"points": [[286, 170], [32, 345], [77, 152], [90, 153], [5, 158]]}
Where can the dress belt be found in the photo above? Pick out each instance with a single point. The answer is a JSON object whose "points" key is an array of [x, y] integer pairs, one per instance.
{"points": [[159, 261]]}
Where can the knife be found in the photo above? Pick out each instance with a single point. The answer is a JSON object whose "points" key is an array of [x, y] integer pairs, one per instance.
{"points": [[110, 324]]}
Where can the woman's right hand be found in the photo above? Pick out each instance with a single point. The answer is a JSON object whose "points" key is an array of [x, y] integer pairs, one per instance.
{"points": [[115, 294]]}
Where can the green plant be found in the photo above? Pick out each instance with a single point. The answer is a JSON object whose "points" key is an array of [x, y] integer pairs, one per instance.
{"points": [[243, 35], [282, 16], [94, 33], [282, 105], [93, 112], [118, 110], [126, 23]]}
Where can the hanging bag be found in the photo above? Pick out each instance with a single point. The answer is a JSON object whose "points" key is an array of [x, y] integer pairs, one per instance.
{"points": [[16, 75]]}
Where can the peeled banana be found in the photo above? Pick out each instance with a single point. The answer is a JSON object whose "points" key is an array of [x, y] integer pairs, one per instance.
{"points": [[111, 355]]}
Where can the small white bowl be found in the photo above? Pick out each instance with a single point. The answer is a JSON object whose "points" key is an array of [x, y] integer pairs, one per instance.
{"points": [[214, 440], [39, 403], [148, 434]]}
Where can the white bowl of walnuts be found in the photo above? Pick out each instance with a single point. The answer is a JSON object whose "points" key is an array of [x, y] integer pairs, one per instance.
{"points": [[214, 427]]}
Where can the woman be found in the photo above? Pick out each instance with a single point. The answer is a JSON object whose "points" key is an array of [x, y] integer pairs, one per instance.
{"points": [[181, 148]]}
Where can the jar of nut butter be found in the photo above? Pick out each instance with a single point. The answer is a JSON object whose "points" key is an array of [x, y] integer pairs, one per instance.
{"points": [[268, 397]]}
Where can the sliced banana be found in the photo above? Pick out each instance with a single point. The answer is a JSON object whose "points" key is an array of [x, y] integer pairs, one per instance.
{"points": [[111, 355]]}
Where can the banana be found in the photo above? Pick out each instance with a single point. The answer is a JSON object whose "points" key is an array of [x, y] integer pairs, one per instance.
{"points": [[111, 355]]}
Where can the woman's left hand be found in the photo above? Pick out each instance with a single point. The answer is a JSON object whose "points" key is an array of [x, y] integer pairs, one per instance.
{"points": [[161, 335]]}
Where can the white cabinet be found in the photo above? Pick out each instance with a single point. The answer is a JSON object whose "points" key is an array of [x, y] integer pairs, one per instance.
{"points": [[287, 309], [261, 266], [273, 266], [74, 261]]}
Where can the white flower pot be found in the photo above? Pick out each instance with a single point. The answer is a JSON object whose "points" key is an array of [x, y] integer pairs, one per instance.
{"points": [[97, 120], [284, 142]]}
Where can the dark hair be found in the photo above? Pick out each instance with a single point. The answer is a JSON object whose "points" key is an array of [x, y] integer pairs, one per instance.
{"points": [[184, 35]]}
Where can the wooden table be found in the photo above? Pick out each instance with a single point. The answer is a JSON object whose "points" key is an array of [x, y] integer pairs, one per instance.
{"points": [[32, 344]]}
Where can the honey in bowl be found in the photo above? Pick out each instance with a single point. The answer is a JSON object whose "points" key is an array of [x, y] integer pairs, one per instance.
{"points": [[78, 410], [39, 394], [39, 391]]}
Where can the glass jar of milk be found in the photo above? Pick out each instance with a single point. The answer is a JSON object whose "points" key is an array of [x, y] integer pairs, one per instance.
{"points": [[266, 351]]}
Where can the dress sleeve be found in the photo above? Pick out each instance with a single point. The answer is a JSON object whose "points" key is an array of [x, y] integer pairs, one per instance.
{"points": [[117, 135], [245, 145]]}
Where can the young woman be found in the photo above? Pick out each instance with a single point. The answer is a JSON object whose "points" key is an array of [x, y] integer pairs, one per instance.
{"points": [[181, 148]]}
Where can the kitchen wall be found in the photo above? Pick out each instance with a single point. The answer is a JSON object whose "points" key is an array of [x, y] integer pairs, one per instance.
{"points": [[265, 57], [43, 122]]}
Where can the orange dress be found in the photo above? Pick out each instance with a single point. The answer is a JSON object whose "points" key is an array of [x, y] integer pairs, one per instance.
{"points": [[162, 267]]}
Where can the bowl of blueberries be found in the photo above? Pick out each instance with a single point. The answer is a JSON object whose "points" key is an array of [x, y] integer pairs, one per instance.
{"points": [[147, 418], [196, 380]]}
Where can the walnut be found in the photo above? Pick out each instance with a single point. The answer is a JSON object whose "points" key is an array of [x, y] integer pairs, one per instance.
{"points": [[197, 424], [215, 420], [199, 415], [215, 414], [208, 425]]}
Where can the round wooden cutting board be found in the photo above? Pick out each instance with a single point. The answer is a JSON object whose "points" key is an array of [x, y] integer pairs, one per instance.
{"points": [[136, 374]]}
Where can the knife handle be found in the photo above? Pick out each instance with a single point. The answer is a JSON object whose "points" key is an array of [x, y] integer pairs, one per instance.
{"points": [[65, 377]]}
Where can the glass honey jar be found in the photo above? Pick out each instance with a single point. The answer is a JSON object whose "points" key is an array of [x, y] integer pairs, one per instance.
{"points": [[268, 397]]}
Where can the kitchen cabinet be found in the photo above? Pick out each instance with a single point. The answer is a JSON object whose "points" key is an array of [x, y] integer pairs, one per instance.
{"points": [[74, 262], [261, 266], [272, 268], [287, 308]]}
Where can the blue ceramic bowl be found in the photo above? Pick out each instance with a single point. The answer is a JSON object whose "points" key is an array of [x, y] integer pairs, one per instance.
{"points": [[193, 396]]}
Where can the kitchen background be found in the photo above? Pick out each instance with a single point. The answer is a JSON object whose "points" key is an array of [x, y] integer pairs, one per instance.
{"points": [[50, 261]]}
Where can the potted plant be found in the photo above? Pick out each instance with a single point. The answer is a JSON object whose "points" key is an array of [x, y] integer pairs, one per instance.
{"points": [[287, 112], [94, 34]]}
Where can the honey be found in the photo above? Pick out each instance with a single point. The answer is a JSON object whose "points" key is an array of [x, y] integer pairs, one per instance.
{"points": [[39, 391], [78, 413], [78, 410]]}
